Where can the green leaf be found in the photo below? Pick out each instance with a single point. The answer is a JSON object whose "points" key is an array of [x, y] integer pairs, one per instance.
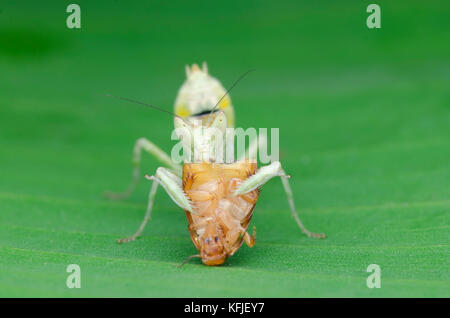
{"points": [[364, 118]]}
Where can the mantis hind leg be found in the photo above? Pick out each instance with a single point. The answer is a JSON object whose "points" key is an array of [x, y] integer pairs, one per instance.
{"points": [[151, 148], [147, 217], [172, 184], [261, 177], [290, 197]]}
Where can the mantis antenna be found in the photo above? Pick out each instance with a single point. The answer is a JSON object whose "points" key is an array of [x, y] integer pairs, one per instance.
{"points": [[148, 105], [232, 86]]}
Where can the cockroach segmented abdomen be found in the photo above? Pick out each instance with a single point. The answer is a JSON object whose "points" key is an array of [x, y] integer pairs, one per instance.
{"points": [[221, 220]]}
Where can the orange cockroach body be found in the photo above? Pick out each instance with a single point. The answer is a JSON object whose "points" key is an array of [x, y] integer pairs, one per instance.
{"points": [[219, 227]]}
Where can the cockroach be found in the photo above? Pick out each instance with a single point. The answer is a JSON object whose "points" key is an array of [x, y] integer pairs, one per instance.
{"points": [[218, 198]]}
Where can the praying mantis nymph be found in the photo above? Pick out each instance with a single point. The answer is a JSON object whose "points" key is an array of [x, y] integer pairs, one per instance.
{"points": [[218, 198]]}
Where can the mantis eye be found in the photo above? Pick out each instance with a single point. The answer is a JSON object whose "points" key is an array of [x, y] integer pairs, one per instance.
{"points": [[216, 239]]}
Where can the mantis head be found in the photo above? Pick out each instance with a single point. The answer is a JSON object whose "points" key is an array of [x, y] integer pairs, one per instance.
{"points": [[201, 94]]}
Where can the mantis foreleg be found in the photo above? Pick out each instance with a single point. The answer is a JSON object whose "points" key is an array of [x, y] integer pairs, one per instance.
{"points": [[172, 184], [261, 177]]}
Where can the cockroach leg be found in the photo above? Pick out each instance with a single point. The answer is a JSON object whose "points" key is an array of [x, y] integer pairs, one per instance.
{"points": [[250, 239], [262, 176], [200, 196], [155, 151]]}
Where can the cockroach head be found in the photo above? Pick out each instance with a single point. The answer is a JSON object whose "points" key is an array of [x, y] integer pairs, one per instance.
{"points": [[212, 249]]}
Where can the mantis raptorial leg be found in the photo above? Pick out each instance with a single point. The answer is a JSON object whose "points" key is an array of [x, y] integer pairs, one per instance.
{"points": [[172, 184], [262, 176]]}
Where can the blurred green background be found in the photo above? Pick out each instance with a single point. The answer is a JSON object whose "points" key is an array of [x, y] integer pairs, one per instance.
{"points": [[364, 118]]}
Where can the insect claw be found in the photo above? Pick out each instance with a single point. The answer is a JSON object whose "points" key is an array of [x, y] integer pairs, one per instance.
{"points": [[317, 235]]}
